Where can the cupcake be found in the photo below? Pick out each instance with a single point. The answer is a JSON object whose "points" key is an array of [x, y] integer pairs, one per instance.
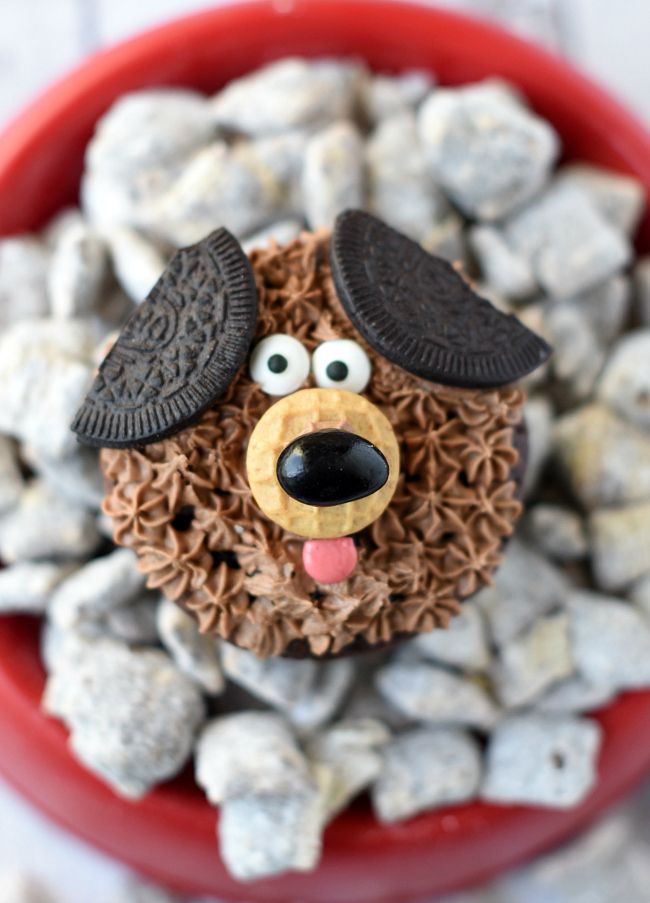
{"points": [[319, 448]]}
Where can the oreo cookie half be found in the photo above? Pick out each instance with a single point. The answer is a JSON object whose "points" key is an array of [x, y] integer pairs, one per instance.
{"points": [[179, 350], [415, 310]]}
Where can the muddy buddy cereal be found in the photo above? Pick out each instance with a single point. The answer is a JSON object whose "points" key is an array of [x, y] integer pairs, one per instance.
{"points": [[303, 331]]}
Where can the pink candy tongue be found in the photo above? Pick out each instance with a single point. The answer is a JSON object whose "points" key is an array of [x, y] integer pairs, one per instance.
{"points": [[329, 560]]}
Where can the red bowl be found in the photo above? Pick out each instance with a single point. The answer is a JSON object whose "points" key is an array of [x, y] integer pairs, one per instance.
{"points": [[170, 834]]}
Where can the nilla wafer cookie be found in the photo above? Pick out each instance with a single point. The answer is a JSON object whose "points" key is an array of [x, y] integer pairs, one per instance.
{"points": [[300, 413]]}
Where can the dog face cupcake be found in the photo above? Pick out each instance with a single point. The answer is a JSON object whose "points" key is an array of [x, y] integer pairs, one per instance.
{"points": [[317, 450]]}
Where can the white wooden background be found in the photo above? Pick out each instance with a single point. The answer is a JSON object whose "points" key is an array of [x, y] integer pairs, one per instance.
{"points": [[41, 39]]}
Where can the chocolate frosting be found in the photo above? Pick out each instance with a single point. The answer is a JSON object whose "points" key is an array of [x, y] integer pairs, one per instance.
{"points": [[184, 505]]}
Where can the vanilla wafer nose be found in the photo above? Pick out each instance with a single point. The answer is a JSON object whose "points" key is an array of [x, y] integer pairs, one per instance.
{"points": [[323, 482]]}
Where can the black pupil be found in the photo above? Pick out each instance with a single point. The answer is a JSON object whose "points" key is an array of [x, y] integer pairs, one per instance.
{"points": [[277, 363], [337, 371]]}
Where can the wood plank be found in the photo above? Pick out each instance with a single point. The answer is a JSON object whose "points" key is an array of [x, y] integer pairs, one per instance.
{"points": [[39, 41]]}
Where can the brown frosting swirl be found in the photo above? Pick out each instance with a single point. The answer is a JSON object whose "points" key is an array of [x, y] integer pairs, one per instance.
{"points": [[185, 507]]}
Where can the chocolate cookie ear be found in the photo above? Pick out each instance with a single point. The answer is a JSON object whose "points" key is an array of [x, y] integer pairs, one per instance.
{"points": [[179, 350], [415, 309]]}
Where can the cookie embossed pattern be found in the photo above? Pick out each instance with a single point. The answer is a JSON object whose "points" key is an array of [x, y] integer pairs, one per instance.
{"points": [[385, 281], [446, 730], [178, 351]]}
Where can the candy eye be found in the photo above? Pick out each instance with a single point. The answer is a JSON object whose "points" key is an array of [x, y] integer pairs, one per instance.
{"points": [[341, 364], [280, 364]]}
